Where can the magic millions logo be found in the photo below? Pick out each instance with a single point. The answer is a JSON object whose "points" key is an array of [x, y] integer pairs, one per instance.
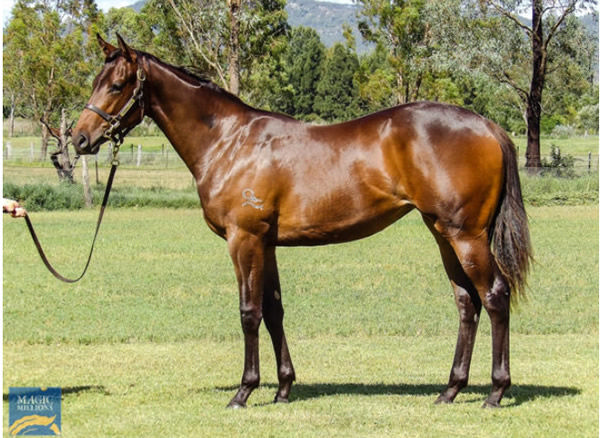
{"points": [[34, 411]]}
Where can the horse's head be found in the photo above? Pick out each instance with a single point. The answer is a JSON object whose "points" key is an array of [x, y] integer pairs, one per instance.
{"points": [[117, 102]]}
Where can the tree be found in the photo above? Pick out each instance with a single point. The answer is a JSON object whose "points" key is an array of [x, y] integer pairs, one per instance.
{"points": [[45, 58], [548, 20], [60, 158], [218, 36], [403, 28], [302, 61], [375, 80], [337, 92], [165, 38]]}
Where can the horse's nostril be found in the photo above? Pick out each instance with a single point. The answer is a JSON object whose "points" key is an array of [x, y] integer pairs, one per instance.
{"points": [[82, 141]]}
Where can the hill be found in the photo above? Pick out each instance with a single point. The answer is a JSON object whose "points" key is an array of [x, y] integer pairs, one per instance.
{"points": [[327, 18]]}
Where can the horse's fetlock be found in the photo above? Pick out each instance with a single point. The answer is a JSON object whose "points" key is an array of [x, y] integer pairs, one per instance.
{"points": [[251, 380], [286, 374], [501, 379], [459, 379]]}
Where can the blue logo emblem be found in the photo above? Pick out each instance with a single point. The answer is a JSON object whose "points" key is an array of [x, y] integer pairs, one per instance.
{"points": [[34, 411]]}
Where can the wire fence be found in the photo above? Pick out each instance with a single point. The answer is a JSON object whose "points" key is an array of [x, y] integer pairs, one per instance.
{"points": [[134, 156], [129, 155]]}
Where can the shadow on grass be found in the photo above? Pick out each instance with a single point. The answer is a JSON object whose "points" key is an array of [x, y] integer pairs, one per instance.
{"points": [[515, 396], [66, 390]]}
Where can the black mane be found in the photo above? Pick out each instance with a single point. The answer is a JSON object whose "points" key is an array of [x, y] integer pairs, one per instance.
{"points": [[189, 75]]}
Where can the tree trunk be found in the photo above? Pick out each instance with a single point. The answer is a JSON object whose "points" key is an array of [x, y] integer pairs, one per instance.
{"points": [[400, 98], [60, 157], [234, 47], [11, 125], [44, 146], [534, 101], [64, 138]]}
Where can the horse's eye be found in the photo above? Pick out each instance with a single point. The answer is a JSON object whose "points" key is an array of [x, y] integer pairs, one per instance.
{"points": [[116, 87]]}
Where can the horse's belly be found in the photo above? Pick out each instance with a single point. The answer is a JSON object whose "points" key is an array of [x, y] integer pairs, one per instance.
{"points": [[337, 226]]}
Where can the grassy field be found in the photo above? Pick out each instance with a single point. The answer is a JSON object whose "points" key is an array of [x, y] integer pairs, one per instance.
{"points": [[149, 343]]}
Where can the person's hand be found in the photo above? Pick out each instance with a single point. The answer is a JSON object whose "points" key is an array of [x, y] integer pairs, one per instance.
{"points": [[13, 208]]}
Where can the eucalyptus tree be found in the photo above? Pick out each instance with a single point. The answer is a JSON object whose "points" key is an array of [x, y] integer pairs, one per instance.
{"points": [[548, 22], [46, 57], [520, 44], [404, 29], [224, 38]]}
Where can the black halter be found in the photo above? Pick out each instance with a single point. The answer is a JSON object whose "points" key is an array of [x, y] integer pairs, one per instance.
{"points": [[114, 131]]}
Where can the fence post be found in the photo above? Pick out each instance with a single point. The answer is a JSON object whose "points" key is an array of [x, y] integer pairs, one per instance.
{"points": [[589, 161], [138, 159], [96, 160], [8, 150], [87, 191]]}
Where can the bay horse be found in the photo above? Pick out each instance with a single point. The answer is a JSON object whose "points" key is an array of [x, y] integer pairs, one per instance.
{"points": [[267, 180]]}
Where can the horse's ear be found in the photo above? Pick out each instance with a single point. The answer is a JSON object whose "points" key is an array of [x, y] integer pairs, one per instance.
{"points": [[126, 50], [106, 47]]}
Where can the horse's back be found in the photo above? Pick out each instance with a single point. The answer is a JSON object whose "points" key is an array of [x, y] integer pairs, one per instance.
{"points": [[354, 178]]}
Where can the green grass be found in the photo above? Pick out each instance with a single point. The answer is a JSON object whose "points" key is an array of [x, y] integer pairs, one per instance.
{"points": [[149, 343], [149, 143], [548, 190], [576, 146], [39, 188], [347, 387]]}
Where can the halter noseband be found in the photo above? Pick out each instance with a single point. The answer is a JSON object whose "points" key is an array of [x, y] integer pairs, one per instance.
{"points": [[114, 131]]}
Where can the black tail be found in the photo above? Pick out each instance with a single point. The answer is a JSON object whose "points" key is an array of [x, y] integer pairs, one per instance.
{"points": [[511, 243]]}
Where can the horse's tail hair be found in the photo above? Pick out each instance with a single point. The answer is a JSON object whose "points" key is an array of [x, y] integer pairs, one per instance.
{"points": [[511, 244]]}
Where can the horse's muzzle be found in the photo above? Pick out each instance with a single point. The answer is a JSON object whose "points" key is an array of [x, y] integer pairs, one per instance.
{"points": [[83, 146]]}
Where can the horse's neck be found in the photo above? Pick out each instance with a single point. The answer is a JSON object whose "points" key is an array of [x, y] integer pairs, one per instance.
{"points": [[193, 117]]}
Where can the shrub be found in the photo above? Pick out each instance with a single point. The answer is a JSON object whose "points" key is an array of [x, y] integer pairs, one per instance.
{"points": [[37, 197], [563, 131], [559, 165]]}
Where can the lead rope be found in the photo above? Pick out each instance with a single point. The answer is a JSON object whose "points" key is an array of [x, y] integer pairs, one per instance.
{"points": [[111, 176]]}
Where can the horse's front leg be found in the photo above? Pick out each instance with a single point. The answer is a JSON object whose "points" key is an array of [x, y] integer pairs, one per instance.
{"points": [[273, 314], [247, 252]]}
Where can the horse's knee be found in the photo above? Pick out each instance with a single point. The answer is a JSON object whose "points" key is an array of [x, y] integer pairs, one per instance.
{"points": [[251, 319]]}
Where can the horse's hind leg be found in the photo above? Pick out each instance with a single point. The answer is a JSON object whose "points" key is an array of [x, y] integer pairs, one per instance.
{"points": [[273, 316], [473, 251], [469, 309]]}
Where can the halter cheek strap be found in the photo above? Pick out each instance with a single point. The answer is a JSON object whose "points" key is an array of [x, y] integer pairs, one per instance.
{"points": [[114, 131]]}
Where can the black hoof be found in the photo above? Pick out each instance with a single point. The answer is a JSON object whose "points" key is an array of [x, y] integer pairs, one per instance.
{"points": [[442, 400], [492, 405], [279, 399]]}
